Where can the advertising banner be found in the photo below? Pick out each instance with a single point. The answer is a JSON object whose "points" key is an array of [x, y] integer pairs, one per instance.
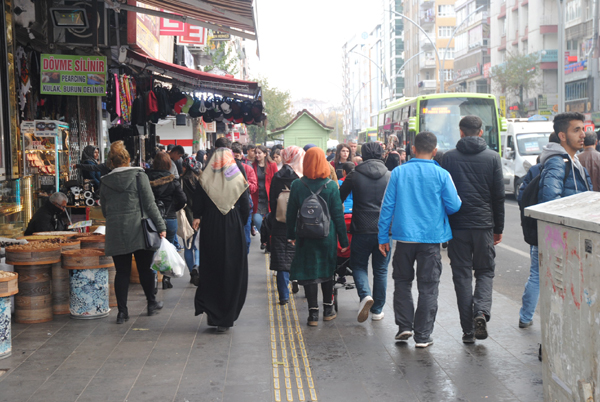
{"points": [[73, 75]]}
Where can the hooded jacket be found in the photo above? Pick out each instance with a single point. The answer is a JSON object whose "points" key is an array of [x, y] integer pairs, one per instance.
{"points": [[120, 199], [553, 183], [367, 183], [49, 218], [477, 174], [167, 189]]}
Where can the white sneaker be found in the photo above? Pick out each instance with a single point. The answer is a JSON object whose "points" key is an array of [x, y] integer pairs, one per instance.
{"points": [[363, 308], [377, 317], [424, 344]]}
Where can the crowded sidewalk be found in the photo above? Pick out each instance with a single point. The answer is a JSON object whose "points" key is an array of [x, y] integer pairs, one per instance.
{"points": [[175, 356]]}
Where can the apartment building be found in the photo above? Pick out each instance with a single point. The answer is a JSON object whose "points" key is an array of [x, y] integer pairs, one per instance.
{"points": [[438, 19], [471, 47], [393, 32]]}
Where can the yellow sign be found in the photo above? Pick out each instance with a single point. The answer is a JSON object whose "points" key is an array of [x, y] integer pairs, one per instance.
{"points": [[436, 110], [503, 105]]}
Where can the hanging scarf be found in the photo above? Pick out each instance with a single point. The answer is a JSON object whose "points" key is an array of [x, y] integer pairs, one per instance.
{"points": [[293, 156], [222, 180]]}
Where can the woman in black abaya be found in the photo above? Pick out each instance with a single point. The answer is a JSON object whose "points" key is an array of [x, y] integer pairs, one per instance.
{"points": [[221, 208]]}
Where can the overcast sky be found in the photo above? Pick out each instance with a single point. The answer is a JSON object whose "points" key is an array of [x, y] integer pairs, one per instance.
{"points": [[301, 43]]}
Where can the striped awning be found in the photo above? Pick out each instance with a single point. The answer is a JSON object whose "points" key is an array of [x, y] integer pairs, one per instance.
{"points": [[229, 15]]}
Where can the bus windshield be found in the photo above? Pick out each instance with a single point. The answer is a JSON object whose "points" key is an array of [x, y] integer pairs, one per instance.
{"points": [[441, 116]]}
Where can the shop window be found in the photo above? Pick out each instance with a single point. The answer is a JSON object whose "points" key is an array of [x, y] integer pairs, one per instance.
{"points": [[576, 90]]}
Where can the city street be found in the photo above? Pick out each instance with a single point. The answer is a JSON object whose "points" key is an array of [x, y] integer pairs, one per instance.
{"points": [[271, 355]]}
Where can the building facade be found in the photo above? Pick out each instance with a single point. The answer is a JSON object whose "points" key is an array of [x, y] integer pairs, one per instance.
{"points": [[471, 51], [393, 26], [438, 19]]}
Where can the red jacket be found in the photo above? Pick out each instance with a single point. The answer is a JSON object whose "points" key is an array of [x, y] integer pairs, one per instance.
{"points": [[271, 169], [252, 180]]}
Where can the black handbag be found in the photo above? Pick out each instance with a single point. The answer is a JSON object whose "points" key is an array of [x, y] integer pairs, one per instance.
{"points": [[151, 236]]}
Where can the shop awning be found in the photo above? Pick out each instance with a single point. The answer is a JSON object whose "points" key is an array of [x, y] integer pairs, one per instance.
{"points": [[233, 16], [198, 80]]}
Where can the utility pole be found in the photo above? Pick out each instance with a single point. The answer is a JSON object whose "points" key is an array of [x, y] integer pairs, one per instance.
{"points": [[561, 57]]}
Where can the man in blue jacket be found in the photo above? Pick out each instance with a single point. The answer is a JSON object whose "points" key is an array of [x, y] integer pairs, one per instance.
{"points": [[419, 197]]}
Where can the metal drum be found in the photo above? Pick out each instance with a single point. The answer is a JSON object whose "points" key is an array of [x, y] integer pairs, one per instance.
{"points": [[89, 293], [5, 341]]}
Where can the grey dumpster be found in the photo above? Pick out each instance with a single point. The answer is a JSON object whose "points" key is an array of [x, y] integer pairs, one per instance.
{"points": [[569, 253]]}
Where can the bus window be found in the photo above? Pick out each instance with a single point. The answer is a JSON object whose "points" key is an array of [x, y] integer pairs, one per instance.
{"points": [[413, 111], [397, 116], [405, 112], [388, 118]]}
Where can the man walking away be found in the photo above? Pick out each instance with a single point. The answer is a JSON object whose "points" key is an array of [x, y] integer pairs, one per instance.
{"points": [[366, 184], [477, 227], [417, 202], [590, 158]]}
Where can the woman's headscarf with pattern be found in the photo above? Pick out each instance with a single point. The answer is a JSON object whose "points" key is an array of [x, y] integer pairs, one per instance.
{"points": [[223, 181], [293, 156]]}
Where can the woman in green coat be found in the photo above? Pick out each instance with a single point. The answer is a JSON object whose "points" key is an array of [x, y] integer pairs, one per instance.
{"points": [[315, 259], [123, 190]]}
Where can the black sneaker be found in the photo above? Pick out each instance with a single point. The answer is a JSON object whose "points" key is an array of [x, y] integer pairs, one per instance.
{"points": [[424, 344], [480, 327], [295, 287], [525, 324], [195, 277], [468, 338], [122, 317], [403, 335], [154, 307]]}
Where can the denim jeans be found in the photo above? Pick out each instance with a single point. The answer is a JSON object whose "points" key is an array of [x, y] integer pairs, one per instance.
{"points": [[283, 280], [258, 218], [247, 229], [363, 247], [532, 288], [171, 231], [192, 255]]}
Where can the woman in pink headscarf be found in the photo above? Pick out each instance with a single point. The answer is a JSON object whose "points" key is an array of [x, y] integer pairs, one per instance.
{"points": [[282, 252]]}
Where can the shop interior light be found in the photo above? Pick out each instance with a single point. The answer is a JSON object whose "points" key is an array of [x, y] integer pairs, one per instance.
{"points": [[69, 18]]}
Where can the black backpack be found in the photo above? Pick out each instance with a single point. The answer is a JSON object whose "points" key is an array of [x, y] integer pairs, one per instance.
{"points": [[313, 216], [529, 198]]}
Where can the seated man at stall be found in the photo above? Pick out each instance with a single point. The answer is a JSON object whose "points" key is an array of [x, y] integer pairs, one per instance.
{"points": [[51, 217]]}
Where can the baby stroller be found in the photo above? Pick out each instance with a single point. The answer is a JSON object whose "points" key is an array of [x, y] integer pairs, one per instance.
{"points": [[343, 265]]}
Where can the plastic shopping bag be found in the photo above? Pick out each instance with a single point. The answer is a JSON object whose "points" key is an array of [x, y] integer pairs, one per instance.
{"points": [[167, 260]]}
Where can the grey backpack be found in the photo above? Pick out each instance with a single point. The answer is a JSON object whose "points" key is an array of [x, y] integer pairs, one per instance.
{"points": [[313, 216]]}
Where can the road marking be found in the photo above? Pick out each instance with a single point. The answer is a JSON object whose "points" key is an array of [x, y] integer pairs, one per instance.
{"points": [[514, 250], [283, 320]]}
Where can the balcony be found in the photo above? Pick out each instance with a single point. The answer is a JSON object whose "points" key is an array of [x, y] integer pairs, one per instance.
{"points": [[425, 43], [427, 62], [516, 41], [427, 19], [428, 84], [427, 4], [548, 24]]}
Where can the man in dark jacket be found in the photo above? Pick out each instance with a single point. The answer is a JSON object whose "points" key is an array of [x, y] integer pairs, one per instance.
{"points": [[50, 217], [367, 183], [477, 227]]}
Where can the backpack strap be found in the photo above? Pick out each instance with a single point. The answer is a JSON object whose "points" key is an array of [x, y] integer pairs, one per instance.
{"points": [[322, 187]]}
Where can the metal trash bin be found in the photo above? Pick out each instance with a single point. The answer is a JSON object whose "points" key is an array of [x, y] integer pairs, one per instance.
{"points": [[569, 255]]}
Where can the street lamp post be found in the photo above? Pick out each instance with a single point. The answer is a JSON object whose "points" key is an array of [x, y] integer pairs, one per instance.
{"points": [[443, 70], [405, 63], [561, 57], [437, 55]]}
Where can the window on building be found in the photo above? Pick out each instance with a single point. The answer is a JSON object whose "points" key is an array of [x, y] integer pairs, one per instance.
{"points": [[448, 75], [573, 10], [445, 32], [503, 56], [503, 27], [446, 10], [526, 47], [449, 55], [576, 90]]}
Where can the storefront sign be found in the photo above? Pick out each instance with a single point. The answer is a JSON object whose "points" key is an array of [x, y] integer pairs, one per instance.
{"points": [[502, 100], [171, 27], [73, 75], [486, 70], [575, 67], [549, 56], [547, 104], [468, 72], [596, 118], [143, 31], [220, 36], [234, 136], [194, 35]]}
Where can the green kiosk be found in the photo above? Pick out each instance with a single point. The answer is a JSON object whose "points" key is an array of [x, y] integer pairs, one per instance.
{"points": [[303, 129]]}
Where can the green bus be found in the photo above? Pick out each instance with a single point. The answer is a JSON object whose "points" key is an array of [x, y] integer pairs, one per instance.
{"points": [[367, 135], [440, 114]]}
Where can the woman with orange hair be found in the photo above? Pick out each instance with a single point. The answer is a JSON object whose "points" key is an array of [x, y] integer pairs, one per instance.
{"points": [[315, 260]]}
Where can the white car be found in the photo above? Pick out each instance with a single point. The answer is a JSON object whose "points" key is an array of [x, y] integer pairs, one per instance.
{"points": [[522, 143]]}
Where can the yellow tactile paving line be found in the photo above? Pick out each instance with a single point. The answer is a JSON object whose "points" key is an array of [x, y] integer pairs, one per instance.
{"points": [[288, 352]]}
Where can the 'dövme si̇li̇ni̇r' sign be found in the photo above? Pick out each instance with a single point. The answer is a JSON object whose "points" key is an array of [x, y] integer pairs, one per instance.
{"points": [[73, 75]]}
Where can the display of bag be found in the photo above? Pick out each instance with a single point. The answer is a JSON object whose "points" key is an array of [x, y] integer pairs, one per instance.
{"points": [[282, 203], [313, 216], [151, 236]]}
